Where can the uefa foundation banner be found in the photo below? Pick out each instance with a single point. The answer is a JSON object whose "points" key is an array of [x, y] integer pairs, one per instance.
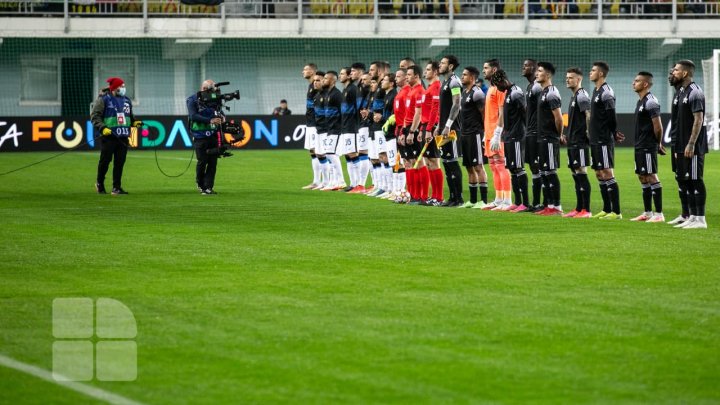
{"points": [[25, 134]]}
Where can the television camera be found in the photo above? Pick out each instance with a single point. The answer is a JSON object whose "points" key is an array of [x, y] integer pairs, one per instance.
{"points": [[215, 98]]}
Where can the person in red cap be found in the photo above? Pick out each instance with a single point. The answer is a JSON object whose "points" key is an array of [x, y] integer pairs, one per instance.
{"points": [[112, 115]]}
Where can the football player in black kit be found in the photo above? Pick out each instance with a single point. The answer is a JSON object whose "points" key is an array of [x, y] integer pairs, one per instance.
{"points": [[648, 143], [532, 93], [578, 141], [691, 143], [603, 134], [449, 110], [550, 125]]}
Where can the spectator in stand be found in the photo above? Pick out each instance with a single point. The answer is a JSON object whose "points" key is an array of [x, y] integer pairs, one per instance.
{"points": [[282, 109]]}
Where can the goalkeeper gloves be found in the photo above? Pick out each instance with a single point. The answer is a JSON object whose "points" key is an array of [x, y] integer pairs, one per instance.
{"points": [[390, 121], [137, 124], [106, 131], [495, 141]]}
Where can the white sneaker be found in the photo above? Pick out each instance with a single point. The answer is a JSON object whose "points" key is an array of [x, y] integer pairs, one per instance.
{"points": [[479, 205], [680, 219], [696, 225], [656, 217], [686, 223]]}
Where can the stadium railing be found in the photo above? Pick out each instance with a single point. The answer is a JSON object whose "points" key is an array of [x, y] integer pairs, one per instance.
{"points": [[370, 9]]}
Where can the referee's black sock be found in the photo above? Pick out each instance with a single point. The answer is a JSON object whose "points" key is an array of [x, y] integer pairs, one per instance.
{"points": [[483, 191], [700, 196], [473, 192], [578, 192], [536, 187], [656, 189], [682, 193], [614, 194], [605, 196], [647, 197]]}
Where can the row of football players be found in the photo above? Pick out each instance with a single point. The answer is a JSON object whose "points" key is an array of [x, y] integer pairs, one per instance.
{"points": [[400, 128]]}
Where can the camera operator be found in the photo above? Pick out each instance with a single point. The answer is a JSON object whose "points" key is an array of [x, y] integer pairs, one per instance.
{"points": [[206, 118]]}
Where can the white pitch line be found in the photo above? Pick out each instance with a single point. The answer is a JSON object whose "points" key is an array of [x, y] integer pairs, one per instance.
{"points": [[88, 390]]}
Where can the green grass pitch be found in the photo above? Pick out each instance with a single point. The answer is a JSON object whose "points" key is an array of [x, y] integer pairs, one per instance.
{"points": [[267, 293]]}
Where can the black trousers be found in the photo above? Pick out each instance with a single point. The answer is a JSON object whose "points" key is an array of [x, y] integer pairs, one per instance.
{"points": [[206, 164], [111, 148]]}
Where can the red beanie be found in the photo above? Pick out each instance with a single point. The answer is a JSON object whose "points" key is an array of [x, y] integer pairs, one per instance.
{"points": [[114, 83]]}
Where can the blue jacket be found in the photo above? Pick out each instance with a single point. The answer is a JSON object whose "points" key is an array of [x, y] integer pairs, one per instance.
{"points": [[199, 118]]}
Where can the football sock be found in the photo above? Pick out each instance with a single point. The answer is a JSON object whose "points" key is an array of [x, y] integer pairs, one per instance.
{"points": [[614, 194], [483, 191], [424, 182], [578, 192], [554, 194], [315, 168], [516, 188], [682, 193], [436, 179], [337, 168], [700, 197], [605, 197], [536, 188], [364, 169], [656, 189], [523, 187], [585, 190], [473, 192], [647, 197]]}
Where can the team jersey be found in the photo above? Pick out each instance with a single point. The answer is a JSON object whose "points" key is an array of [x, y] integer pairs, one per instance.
{"points": [[378, 101], [450, 87], [673, 116], [602, 116], [375, 105], [471, 101], [412, 101], [431, 104], [646, 109], [549, 100], [577, 137], [389, 103], [349, 109], [399, 105], [310, 106], [692, 100], [514, 115], [332, 107], [319, 111], [364, 105], [494, 100], [532, 96]]}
